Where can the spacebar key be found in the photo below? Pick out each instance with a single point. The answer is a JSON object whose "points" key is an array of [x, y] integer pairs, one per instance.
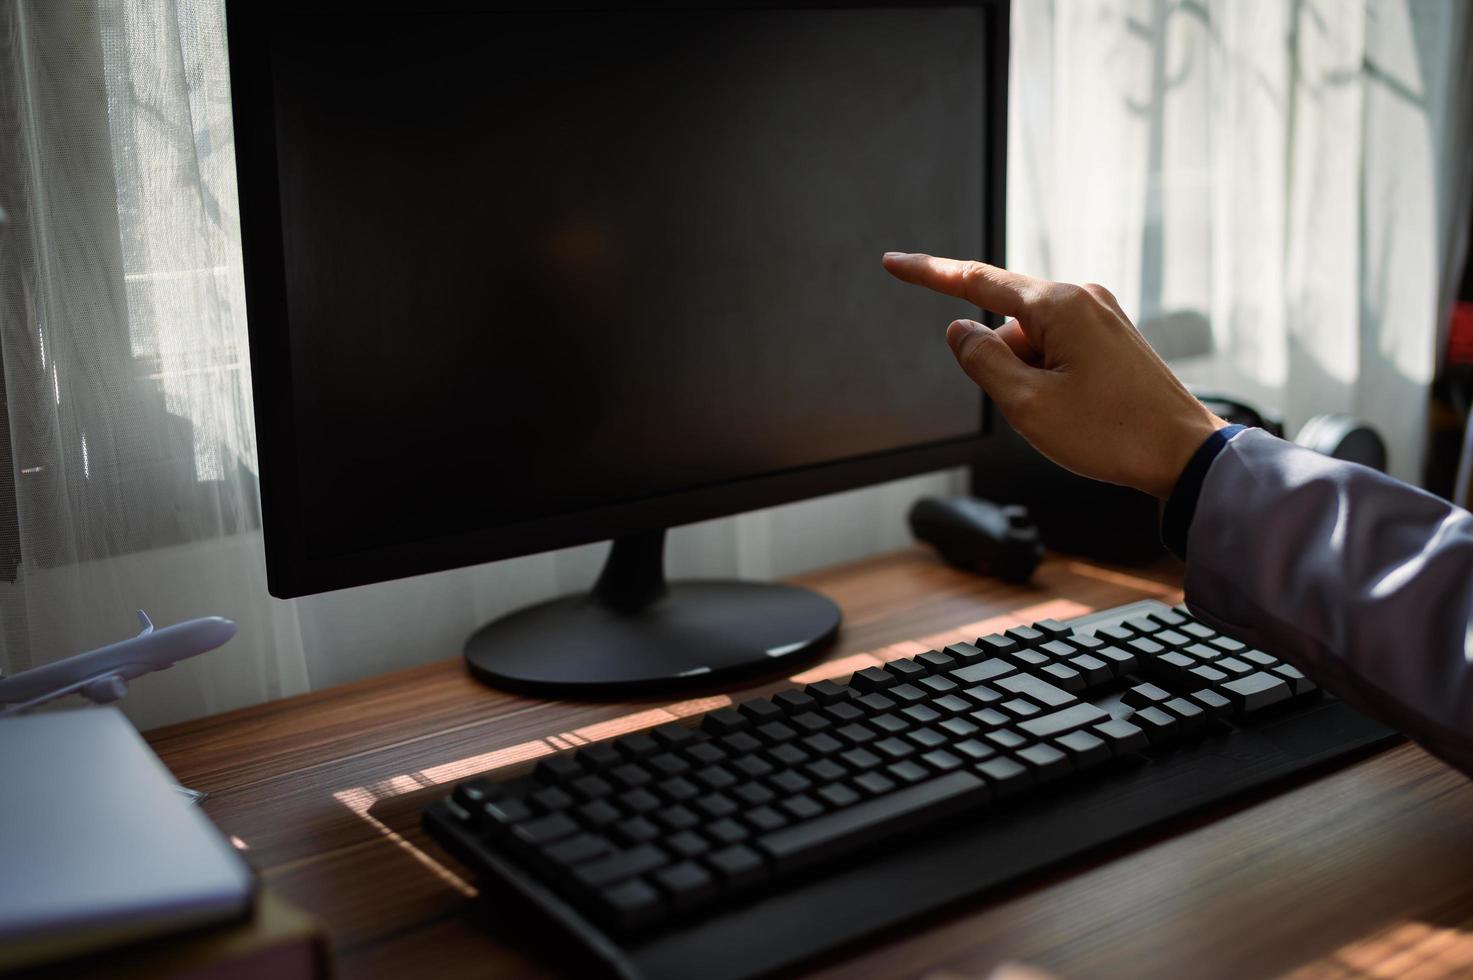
{"points": [[857, 826]]}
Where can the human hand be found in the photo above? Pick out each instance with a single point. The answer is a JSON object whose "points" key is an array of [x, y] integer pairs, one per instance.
{"points": [[1070, 373]]}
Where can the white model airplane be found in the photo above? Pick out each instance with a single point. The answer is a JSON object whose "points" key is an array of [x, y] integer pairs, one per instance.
{"points": [[102, 675]]}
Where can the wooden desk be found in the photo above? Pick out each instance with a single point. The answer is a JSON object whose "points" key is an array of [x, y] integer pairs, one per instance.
{"points": [[1366, 872]]}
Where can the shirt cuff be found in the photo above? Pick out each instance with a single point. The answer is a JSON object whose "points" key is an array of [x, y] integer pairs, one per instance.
{"points": [[1181, 506]]}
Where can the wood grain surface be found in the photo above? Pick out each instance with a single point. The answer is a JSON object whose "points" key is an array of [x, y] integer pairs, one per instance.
{"points": [[1364, 872]]}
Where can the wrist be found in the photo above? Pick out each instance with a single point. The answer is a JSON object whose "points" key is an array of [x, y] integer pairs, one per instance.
{"points": [[1178, 451]]}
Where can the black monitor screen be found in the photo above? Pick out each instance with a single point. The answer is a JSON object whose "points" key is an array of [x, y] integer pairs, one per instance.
{"points": [[537, 263]]}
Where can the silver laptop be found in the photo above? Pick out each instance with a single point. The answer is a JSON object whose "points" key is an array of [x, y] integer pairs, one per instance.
{"points": [[97, 846]]}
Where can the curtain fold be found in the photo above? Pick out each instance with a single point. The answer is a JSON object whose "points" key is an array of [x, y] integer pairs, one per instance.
{"points": [[1271, 189]]}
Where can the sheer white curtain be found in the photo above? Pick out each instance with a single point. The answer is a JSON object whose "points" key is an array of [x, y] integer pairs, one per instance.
{"points": [[1272, 188], [129, 391]]}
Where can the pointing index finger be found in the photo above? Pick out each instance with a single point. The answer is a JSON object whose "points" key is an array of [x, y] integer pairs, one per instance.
{"points": [[987, 286]]}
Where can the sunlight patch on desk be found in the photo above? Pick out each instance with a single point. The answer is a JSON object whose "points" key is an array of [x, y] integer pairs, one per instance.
{"points": [[1403, 950], [359, 801]]}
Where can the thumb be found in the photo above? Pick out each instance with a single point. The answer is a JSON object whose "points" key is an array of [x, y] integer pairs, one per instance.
{"points": [[988, 360]]}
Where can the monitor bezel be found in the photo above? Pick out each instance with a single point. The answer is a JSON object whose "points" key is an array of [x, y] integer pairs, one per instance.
{"points": [[290, 569]]}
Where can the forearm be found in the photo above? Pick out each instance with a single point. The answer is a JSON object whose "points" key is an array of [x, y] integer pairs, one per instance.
{"points": [[1364, 583]]}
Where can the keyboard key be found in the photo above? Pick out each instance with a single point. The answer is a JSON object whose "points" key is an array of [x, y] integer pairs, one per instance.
{"points": [[676, 818], [1121, 662], [558, 768], [1233, 666], [1066, 720], [927, 738], [1025, 635], [666, 764], [938, 685], [1258, 658], [737, 866], [636, 746], [760, 711], [983, 695], [874, 783], [1174, 663], [936, 662], [874, 702], [906, 694], [629, 776], [633, 903], [764, 819], [727, 831], [672, 734], [859, 760], [545, 830], [856, 734], [738, 744], [1029, 659], [794, 702], [871, 679], [1053, 628], [827, 692], [599, 814], [1117, 635], [973, 750], [1046, 761], [801, 807], [1145, 695], [1214, 704], [952, 704], [995, 644], [714, 806], [789, 782], [1146, 649], [1208, 675], [1159, 726], [1171, 638], [843, 712], [1036, 689], [1095, 670], [908, 771], [894, 748], [687, 844], [810, 721], [1087, 642], [1169, 618], [989, 718], [1064, 676], [1121, 736], [705, 753], [1005, 776], [965, 653], [1006, 738], [577, 849], [686, 883], [1084, 749], [551, 799], [1199, 631], [753, 794], [1256, 691], [825, 771], [905, 670], [1188, 714], [838, 795], [1058, 649], [890, 724], [1296, 680], [958, 728], [775, 732], [1201, 652], [676, 790], [1228, 645], [635, 830], [1143, 625], [751, 766], [941, 760], [600, 755], [1020, 708], [854, 828], [620, 865], [822, 744], [983, 672]]}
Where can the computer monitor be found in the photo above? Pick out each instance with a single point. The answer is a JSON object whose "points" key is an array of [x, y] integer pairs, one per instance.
{"points": [[525, 278]]}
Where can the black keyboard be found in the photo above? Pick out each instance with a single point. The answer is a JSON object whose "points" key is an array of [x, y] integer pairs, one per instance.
{"points": [[782, 827]]}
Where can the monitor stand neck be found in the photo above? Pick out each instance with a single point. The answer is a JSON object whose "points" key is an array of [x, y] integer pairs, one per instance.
{"points": [[633, 576], [636, 635]]}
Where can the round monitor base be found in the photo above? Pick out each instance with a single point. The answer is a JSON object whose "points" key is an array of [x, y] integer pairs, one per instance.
{"points": [[695, 635]]}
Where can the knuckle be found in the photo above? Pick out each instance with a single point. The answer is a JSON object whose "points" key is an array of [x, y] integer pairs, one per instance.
{"points": [[1066, 294], [1099, 292]]}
